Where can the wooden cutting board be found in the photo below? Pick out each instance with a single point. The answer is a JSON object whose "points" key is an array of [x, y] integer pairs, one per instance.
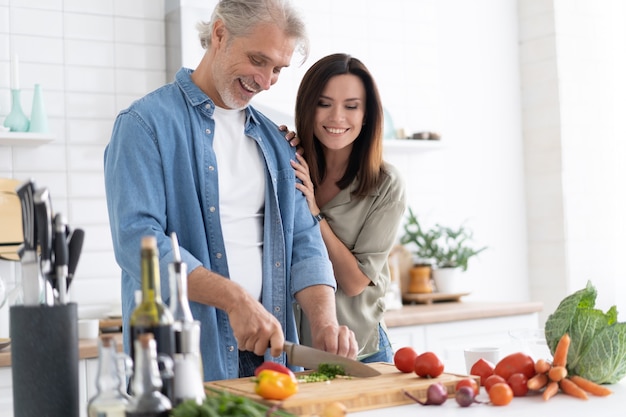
{"points": [[357, 394]]}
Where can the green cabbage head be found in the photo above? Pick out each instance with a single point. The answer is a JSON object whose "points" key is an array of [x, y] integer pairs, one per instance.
{"points": [[598, 341]]}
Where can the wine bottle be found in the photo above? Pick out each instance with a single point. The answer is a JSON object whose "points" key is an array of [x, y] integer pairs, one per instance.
{"points": [[152, 315], [148, 400], [110, 399]]}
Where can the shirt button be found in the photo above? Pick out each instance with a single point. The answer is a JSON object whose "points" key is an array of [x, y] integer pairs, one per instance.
{"points": [[277, 264], [277, 309], [211, 168], [218, 255], [207, 131], [231, 348], [212, 209], [207, 106]]}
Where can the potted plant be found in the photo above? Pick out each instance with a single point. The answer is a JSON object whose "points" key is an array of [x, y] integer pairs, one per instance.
{"points": [[447, 249]]}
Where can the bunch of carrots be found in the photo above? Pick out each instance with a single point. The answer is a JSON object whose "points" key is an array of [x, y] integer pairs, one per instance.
{"points": [[552, 376]]}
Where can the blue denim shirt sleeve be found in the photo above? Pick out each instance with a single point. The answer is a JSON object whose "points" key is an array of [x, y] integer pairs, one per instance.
{"points": [[161, 176]]}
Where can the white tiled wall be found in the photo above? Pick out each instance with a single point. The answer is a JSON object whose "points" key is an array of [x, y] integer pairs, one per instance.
{"points": [[92, 58], [528, 111]]}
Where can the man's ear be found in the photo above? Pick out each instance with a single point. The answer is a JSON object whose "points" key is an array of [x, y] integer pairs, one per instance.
{"points": [[219, 33]]}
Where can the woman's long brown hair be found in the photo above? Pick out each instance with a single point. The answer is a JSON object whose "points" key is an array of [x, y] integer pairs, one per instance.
{"points": [[365, 162]]}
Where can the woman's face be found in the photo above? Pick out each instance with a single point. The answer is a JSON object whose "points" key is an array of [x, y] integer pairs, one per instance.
{"points": [[340, 112]]}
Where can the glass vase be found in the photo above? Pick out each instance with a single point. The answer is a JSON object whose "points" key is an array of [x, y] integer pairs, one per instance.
{"points": [[16, 121]]}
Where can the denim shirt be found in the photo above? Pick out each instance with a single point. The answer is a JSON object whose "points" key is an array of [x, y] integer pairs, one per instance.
{"points": [[161, 177]]}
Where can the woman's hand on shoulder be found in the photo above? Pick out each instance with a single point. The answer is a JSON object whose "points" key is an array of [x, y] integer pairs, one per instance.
{"points": [[292, 138]]}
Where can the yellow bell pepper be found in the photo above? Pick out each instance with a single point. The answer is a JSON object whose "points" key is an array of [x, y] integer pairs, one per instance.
{"points": [[273, 385]]}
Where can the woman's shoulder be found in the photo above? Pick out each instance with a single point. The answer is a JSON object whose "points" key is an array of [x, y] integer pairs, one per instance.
{"points": [[392, 180]]}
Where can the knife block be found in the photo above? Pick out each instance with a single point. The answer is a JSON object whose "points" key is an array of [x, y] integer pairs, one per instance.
{"points": [[44, 358]]}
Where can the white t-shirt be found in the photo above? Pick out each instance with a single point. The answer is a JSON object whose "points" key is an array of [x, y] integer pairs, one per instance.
{"points": [[241, 178]]}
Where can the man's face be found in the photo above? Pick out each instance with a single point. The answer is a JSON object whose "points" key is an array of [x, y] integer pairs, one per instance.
{"points": [[244, 66]]}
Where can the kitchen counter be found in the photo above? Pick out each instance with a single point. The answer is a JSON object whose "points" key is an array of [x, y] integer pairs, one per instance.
{"points": [[416, 314], [87, 349], [561, 404]]}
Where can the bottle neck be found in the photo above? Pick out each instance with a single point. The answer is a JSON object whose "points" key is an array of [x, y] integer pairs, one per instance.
{"points": [[179, 304], [150, 276], [146, 378]]}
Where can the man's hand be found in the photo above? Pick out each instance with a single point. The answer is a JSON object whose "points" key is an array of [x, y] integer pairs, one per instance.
{"points": [[339, 340]]}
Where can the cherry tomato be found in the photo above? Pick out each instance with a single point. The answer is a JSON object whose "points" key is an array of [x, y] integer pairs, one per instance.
{"points": [[493, 380], [483, 369], [500, 394], [519, 384], [515, 363], [404, 359], [274, 367], [468, 382], [428, 365]]}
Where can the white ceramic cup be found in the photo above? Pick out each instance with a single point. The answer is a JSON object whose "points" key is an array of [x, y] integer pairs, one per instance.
{"points": [[488, 353], [88, 328]]}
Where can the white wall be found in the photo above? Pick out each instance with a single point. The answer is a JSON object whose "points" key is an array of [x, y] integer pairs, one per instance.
{"points": [[451, 66]]}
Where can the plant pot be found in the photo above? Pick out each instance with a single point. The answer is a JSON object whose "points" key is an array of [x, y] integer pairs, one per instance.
{"points": [[419, 279], [446, 280]]}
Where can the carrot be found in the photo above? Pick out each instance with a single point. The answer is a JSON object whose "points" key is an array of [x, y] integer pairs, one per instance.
{"points": [[590, 386], [542, 366], [537, 382], [557, 373], [560, 353], [551, 389], [572, 389]]}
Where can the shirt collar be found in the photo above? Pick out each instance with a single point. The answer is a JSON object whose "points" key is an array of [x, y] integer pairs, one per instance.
{"points": [[197, 97]]}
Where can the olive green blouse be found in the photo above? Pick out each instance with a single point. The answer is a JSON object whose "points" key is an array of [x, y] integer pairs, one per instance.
{"points": [[368, 227]]}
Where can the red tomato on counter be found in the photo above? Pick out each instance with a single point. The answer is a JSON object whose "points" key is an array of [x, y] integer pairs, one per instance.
{"points": [[515, 363], [483, 369], [493, 380], [428, 365], [519, 384], [404, 359], [468, 382]]}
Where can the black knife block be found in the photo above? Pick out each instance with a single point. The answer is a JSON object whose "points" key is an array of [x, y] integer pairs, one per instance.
{"points": [[44, 360]]}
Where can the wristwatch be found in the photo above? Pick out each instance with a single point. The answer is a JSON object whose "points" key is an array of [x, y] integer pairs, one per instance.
{"points": [[319, 217]]}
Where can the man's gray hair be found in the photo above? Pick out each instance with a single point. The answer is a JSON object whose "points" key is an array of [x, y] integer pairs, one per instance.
{"points": [[240, 17]]}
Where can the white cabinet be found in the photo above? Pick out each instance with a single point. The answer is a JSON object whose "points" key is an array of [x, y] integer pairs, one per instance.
{"points": [[449, 339], [6, 392]]}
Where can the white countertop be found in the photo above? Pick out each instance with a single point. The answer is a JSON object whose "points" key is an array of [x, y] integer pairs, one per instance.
{"points": [[531, 405]]}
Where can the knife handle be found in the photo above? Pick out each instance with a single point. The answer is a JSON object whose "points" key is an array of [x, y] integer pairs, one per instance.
{"points": [[43, 220], [75, 247]]}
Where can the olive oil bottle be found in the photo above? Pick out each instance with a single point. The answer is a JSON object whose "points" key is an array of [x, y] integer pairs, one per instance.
{"points": [[152, 315]]}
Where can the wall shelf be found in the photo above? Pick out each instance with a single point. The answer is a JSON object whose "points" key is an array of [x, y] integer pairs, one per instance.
{"points": [[25, 138]]}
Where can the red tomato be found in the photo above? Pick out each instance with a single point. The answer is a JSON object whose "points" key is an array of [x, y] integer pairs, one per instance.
{"points": [[404, 359], [483, 369], [493, 380], [515, 363], [468, 382], [428, 365], [519, 384], [274, 367], [500, 394]]}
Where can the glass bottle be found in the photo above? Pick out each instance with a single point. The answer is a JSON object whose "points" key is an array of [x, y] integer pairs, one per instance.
{"points": [[16, 120], [148, 401], [38, 117], [152, 315], [187, 361], [110, 399]]}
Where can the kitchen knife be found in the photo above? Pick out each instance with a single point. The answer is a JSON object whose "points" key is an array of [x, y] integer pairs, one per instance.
{"points": [[61, 256], [43, 220], [75, 247], [309, 358], [31, 279]]}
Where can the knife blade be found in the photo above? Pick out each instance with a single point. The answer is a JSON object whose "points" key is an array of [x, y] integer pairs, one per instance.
{"points": [[310, 358], [43, 220], [61, 256], [31, 279]]}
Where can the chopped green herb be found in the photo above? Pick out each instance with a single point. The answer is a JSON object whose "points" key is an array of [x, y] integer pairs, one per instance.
{"points": [[325, 372]]}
